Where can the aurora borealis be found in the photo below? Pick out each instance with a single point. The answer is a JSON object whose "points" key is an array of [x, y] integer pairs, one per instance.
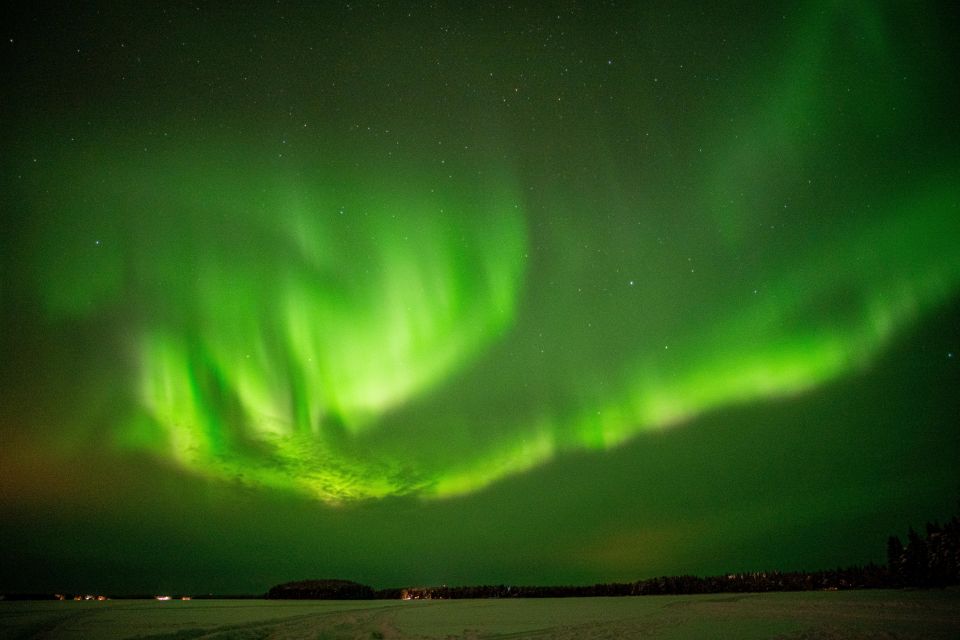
{"points": [[463, 294]]}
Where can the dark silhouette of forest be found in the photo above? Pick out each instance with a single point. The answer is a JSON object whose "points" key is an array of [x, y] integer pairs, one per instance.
{"points": [[929, 560], [322, 590]]}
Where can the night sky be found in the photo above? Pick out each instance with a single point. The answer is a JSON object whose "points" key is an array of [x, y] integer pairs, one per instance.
{"points": [[471, 294]]}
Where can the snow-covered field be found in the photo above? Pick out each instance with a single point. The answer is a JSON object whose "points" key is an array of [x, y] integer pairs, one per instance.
{"points": [[799, 616]]}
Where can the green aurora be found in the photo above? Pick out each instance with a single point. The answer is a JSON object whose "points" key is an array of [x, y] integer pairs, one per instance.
{"points": [[362, 277]]}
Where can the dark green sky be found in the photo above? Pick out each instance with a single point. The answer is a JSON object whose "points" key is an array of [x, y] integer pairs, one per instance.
{"points": [[459, 295]]}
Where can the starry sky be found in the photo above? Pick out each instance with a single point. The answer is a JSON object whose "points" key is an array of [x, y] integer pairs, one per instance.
{"points": [[473, 293]]}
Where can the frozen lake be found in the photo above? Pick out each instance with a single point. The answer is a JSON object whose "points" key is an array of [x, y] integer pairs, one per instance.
{"points": [[800, 616]]}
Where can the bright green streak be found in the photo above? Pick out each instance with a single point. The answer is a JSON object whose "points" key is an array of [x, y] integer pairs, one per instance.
{"points": [[305, 334], [765, 350], [349, 307]]}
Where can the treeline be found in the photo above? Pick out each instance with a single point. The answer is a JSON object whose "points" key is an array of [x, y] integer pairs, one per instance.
{"points": [[869, 577], [322, 590], [930, 560]]}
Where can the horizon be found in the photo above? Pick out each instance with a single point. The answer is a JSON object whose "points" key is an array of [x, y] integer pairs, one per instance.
{"points": [[935, 571], [474, 295]]}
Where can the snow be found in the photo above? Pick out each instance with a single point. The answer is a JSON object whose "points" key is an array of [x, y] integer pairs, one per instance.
{"points": [[786, 616]]}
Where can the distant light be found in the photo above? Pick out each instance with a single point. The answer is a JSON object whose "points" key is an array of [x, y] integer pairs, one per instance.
{"points": [[162, 597]]}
